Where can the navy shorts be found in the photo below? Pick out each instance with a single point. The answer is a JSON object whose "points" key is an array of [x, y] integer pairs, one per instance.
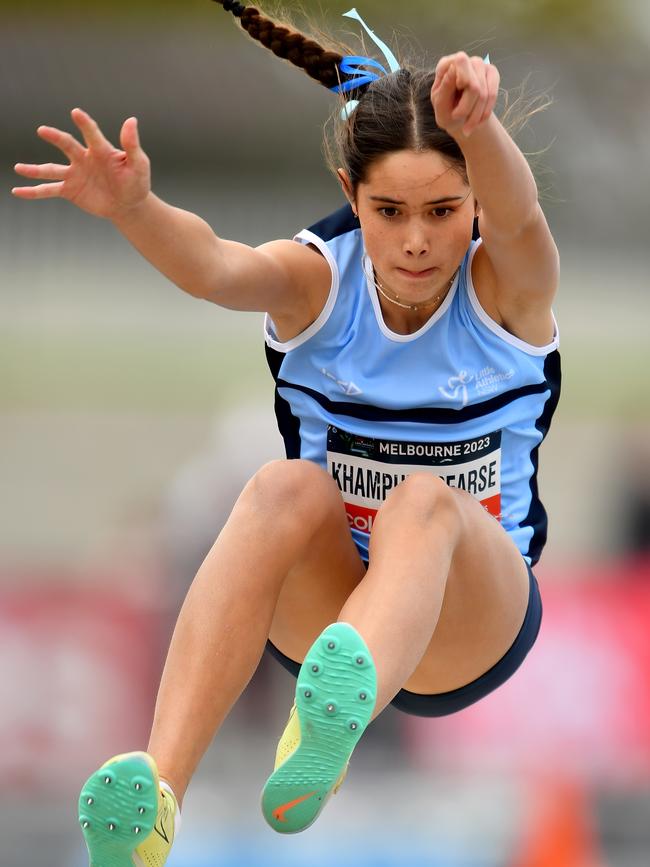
{"points": [[445, 703]]}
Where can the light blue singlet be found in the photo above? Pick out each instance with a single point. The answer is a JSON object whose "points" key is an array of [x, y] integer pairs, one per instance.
{"points": [[461, 398]]}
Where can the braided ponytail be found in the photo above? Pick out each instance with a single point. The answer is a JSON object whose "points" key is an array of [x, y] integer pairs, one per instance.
{"points": [[234, 7], [288, 44]]}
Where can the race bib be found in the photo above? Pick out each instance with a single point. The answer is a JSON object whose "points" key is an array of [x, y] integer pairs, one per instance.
{"points": [[367, 469]]}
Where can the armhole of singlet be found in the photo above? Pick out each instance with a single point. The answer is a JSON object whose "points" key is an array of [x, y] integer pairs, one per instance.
{"points": [[307, 237], [499, 330]]}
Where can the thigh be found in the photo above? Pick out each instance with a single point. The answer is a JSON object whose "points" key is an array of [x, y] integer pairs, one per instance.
{"points": [[445, 703], [317, 586], [484, 605]]}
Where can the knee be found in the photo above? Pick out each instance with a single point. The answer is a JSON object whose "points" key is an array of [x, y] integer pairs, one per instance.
{"points": [[424, 498], [296, 488]]}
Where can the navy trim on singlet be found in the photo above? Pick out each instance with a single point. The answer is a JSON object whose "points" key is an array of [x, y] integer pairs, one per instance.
{"points": [[537, 517], [338, 223], [424, 415], [288, 423]]}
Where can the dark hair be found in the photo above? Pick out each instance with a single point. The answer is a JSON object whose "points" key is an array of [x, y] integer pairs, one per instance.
{"points": [[394, 112]]}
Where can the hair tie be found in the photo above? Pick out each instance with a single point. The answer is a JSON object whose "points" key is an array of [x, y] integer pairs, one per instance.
{"points": [[233, 6]]}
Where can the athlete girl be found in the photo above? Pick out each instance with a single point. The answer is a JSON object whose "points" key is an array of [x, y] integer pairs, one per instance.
{"points": [[389, 559]]}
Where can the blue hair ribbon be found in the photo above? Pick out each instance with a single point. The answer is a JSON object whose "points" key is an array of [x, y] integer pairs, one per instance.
{"points": [[393, 64], [353, 65], [348, 109], [357, 67]]}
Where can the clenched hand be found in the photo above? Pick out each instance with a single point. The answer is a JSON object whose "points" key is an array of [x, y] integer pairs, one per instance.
{"points": [[464, 93]]}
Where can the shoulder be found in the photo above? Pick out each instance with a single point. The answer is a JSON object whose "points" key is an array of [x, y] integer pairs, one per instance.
{"points": [[312, 263], [302, 261], [516, 280], [306, 270]]}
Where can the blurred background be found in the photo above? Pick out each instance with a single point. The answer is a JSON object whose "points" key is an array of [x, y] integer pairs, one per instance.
{"points": [[131, 415]]}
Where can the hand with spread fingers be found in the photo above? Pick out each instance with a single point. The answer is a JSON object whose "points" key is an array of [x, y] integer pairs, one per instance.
{"points": [[464, 93], [101, 179]]}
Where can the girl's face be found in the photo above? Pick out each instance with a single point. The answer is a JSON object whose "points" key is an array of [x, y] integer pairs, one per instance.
{"points": [[416, 215]]}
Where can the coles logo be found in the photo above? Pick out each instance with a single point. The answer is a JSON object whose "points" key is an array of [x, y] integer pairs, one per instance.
{"points": [[360, 518]]}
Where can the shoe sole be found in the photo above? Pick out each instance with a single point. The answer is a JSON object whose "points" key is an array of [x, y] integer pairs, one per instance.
{"points": [[118, 807], [335, 697]]}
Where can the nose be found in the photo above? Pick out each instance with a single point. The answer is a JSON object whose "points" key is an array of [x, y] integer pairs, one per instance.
{"points": [[416, 242]]}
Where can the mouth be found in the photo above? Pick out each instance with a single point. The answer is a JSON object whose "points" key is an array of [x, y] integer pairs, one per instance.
{"points": [[418, 275]]}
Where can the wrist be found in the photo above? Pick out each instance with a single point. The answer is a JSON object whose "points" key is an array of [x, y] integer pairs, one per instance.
{"points": [[132, 213]]}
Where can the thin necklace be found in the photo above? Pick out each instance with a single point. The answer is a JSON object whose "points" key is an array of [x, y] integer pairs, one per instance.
{"points": [[419, 305]]}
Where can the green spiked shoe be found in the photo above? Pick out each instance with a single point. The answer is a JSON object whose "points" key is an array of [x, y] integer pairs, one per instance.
{"points": [[126, 818], [335, 698]]}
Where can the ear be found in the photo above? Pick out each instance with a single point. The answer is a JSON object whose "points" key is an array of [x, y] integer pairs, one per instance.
{"points": [[346, 186], [477, 208]]}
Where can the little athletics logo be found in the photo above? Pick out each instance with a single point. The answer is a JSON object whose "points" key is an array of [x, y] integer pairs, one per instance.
{"points": [[489, 379], [457, 387], [486, 381]]}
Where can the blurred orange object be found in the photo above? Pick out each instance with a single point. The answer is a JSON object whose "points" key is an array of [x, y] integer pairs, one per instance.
{"points": [[560, 829]]}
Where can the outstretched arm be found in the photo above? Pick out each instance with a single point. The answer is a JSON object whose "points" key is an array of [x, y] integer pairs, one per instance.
{"points": [[115, 184], [519, 245]]}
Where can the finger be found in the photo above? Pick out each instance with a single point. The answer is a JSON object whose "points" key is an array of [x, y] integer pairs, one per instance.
{"points": [[476, 115], [41, 191], [463, 68], [46, 171], [62, 140], [446, 96], [89, 128], [472, 91], [441, 70], [493, 80], [446, 63], [129, 138], [466, 104]]}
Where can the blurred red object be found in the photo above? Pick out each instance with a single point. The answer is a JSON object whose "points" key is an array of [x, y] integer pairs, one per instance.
{"points": [[77, 682]]}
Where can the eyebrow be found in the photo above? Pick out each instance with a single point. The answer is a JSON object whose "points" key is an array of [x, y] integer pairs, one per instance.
{"points": [[398, 202]]}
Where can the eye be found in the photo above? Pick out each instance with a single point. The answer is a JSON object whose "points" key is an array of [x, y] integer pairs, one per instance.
{"points": [[389, 213], [443, 212]]}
